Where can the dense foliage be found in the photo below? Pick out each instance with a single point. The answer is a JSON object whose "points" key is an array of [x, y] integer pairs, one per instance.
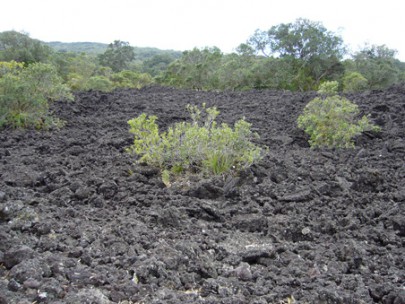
{"points": [[313, 52], [25, 93], [117, 56], [297, 56], [78, 47], [199, 146], [377, 64], [21, 48]]}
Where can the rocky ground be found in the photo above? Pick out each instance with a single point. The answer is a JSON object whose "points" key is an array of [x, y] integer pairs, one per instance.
{"points": [[80, 222]]}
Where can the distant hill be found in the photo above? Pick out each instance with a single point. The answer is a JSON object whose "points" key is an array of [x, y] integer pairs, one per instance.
{"points": [[141, 53], [78, 47]]}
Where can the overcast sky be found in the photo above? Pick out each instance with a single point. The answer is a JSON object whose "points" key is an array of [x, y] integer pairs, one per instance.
{"points": [[184, 24]]}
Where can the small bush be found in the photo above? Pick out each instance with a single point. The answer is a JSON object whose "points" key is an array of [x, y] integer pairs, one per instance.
{"points": [[76, 82], [199, 146], [10, 67], [329, 88], [131, 79], [99, 83], [331, 122], [25, 94], [354, 82]]}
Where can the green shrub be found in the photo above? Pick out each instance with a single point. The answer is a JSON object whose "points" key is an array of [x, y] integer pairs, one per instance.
{"points": [[328, 88], [25, 94], [10, 67], [331, 122], [199, 146], [76, 82], [354, 82], [99, 83], [131, 79]]}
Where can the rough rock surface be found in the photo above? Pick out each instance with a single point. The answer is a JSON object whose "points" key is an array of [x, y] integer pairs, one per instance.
{"points": [[81, 223]]}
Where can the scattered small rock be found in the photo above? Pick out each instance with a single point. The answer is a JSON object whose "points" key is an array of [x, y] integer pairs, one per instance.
{"points": [[300, 196]]}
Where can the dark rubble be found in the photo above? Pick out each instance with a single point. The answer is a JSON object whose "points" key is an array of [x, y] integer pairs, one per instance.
{"points": [[80, 222]]}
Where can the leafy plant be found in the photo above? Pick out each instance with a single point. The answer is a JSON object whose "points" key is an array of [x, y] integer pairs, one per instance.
{"points": [[10, 67], [199, 146], [117, 56], [354, 82], [131, 79], [25, 94], [100, 83], [76, 82], [21, 48], [328, 88], [377, 64], [196, 69], [331, 122]]}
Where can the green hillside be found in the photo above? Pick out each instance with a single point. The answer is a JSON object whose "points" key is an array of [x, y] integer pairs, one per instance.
{"points": [[141, 53], [78, 47]]}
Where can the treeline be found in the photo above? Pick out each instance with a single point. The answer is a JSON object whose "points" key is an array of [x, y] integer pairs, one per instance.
{"points": [[32, 75], [297, 56], [119, 65]]}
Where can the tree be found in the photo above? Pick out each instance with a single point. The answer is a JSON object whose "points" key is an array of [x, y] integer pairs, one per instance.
{"points": [[272, 73], [77, 68], [131, 79], [196, 69], [378, 65], [118, 56], [313, 52], [234, 72], [304, 40], [157, 64], [21, 48]]}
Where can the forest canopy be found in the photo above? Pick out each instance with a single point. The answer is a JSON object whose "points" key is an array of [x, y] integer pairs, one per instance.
{"points": [[296, 56]]}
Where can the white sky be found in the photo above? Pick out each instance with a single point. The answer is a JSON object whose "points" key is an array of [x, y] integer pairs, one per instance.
{"points": [[184, 24]]}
